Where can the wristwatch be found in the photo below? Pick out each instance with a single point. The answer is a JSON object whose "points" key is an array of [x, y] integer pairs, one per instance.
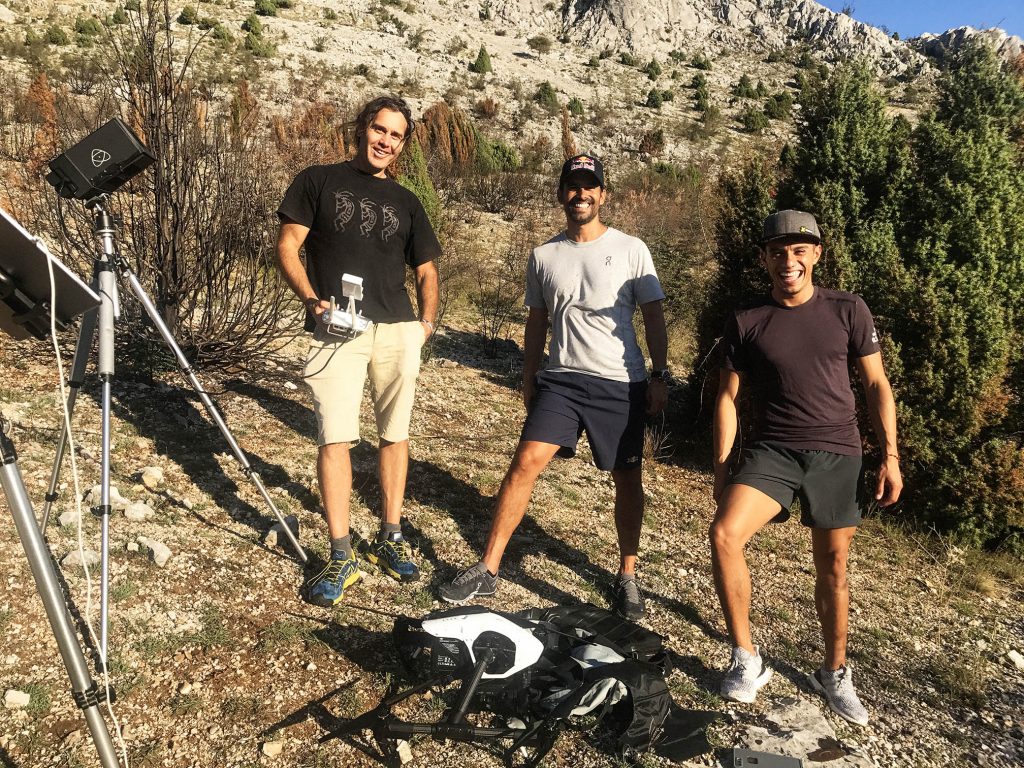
{"points": [[660, 374]]}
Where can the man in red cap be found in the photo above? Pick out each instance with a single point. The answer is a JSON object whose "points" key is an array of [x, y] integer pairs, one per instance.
{"points": [[793, 351], [586, 283]]}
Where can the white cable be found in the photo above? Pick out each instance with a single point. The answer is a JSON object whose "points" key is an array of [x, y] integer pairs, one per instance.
{"points": [[105, 676]]}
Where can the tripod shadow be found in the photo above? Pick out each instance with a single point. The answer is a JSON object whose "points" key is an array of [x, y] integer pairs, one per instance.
{"points": [[180, 430]]}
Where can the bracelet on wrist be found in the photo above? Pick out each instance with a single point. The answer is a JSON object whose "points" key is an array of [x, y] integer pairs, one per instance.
{"points": [[893, 455], [427, 323]]}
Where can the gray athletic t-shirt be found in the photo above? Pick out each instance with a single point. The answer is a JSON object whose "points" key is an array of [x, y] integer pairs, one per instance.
{"points": [[591, 291]]}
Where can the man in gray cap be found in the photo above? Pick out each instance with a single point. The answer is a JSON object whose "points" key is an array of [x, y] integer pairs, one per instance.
{"points": [[792, 350]]}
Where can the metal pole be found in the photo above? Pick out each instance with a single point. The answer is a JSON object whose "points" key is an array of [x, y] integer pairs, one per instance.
{"points": [[83, 689], [211, 408], [105, 229]]}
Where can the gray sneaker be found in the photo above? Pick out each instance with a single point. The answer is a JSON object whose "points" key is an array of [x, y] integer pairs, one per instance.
{"points": [[475, 581], [746, 675], [629, 603], [837, 688]]}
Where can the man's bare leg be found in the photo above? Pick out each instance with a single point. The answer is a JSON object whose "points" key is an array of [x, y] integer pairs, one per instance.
{"points": [[742, 511], [831, 594], [392, 467], [629, 515], [334, 473], [514, 496]]}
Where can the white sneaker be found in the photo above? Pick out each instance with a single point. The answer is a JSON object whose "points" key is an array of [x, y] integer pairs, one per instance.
{"points": [[837, 688], [746, 675]]}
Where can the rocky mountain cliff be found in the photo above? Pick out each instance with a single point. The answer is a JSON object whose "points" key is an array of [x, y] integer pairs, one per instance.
{"points": [[657, 27], [1008, 46]]}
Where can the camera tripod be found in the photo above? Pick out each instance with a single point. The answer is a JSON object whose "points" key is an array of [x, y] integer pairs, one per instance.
{"points": [[107, 263]]}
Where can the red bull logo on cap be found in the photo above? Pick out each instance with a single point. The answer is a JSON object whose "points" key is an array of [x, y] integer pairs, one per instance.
{"points": [[582, 163]]}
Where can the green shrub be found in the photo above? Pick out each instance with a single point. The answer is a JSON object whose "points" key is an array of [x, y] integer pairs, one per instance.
{"points": [[744, 89], [546, 97], [482, 65], [653, 69], [56, 36], [699, 81], [259, 47], [677, 56], [575, 107], [266, 8], [494, 156], [700, 61], [188, 16], [654, 100], [540, 43], [220, 32], [413, 176], [778, 106], [132, 5], [629, 59], [667, 95], [330, 14], [753, 120], [775, 56], [119, 16], [253, 25], [88, 26]]}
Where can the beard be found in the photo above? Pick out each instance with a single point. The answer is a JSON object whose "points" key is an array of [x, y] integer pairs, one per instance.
{"points": [[581, 217]]}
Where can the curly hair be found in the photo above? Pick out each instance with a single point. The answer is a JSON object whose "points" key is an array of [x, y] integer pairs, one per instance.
{"points": [[371, 108]]}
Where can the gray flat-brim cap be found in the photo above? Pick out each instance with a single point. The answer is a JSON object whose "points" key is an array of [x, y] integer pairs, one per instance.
{"points": [[790, 223]]}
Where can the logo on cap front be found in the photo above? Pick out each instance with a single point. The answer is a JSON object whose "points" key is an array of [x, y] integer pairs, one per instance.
{"points": [[583, 163], [804, 230]]}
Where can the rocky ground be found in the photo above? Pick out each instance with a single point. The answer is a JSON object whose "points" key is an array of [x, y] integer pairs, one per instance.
{"points": [[217, 662]]}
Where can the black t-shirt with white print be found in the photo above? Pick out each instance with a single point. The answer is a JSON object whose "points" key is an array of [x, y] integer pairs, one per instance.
{"points": [[362, 225], [796, 361]]}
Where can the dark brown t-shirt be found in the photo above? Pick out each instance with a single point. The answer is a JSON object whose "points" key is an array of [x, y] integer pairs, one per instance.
{"points": [[367, 226], [796, 362]]}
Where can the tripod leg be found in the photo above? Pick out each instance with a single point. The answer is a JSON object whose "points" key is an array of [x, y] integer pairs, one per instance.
{"points": [[211, 408], [82, 686], [82, 348]]}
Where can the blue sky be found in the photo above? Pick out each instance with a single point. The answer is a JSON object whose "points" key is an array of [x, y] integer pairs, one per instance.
{"points": [[912, 17]]}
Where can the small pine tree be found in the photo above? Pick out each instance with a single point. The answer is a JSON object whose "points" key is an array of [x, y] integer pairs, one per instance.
{"points": [[540, 43], [546, 97], [744, 89], [753, 120], [253, 25], [653, 69], [266, 8], [575, 107], [482, 65], [654, 99], [188, 16]]}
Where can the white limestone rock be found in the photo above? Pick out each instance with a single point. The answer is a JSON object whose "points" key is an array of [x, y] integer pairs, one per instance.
{"points": [[152, 478], [76, 558], [139, 511], [15, 699], [159, 552], [276, 532]]}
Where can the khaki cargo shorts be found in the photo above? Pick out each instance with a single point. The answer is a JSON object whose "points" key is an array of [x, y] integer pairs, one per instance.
{"points": [[336, 370]]}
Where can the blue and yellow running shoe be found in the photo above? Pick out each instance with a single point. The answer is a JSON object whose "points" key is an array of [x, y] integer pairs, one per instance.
{"points": [[392, 555], [328, 587]]}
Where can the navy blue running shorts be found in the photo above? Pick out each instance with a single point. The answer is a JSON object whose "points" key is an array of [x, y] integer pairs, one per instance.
{"points": [[565, 405], [830, 486]]}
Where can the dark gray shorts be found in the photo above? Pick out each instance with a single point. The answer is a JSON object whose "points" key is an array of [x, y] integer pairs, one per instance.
{"points": [[830, 486], [611, 412]]}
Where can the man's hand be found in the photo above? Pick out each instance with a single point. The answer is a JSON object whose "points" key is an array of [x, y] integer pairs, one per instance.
{"points": [[657, 396], [317, 307], [890, 481], [428, 329], [529, 388]]}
